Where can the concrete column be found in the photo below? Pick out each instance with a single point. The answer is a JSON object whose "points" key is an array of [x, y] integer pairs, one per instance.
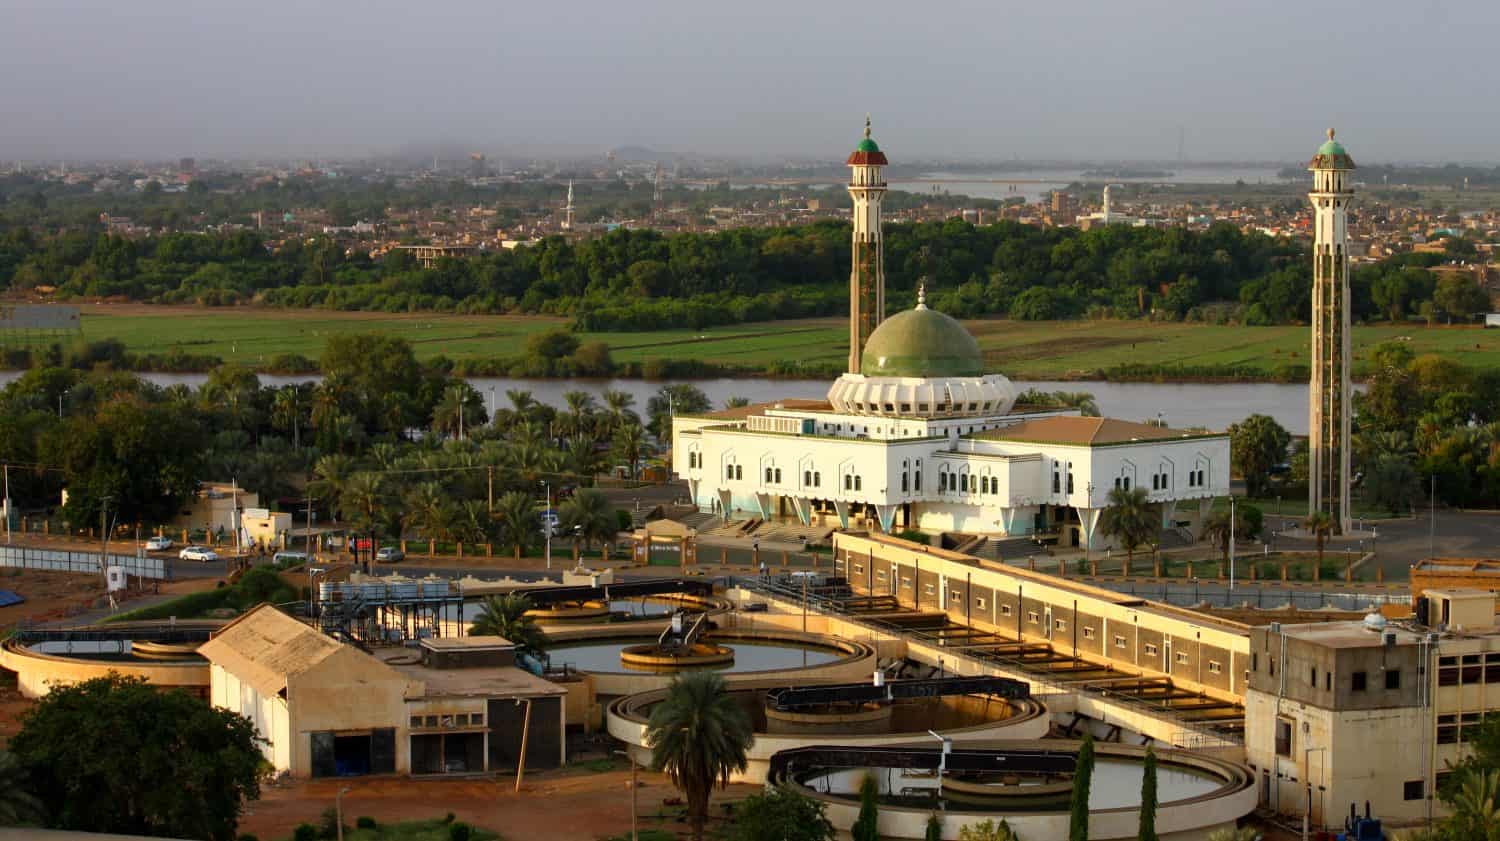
{"points": [[803, 506], [1088, 521], [763, 504], [842, 509], [887, 514]]}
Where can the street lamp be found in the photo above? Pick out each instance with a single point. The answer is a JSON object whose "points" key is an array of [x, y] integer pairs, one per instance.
{"points": [[634, 786], [312, 572], [943, 762], [338, 811], [1231, 541], [547, 525]]}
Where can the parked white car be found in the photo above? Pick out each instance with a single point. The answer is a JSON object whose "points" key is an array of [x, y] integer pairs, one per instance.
{"points": [[198, 553], [159, 544]]}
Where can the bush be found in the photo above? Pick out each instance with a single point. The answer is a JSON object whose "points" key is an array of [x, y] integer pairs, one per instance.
{"points": [[247, 836], [305, 832], [365, 822], [328, 824], [459, 831]]}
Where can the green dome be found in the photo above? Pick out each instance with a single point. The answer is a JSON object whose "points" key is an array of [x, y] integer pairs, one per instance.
{"points": [[867, 145], [921, 343], [1331, 148]]}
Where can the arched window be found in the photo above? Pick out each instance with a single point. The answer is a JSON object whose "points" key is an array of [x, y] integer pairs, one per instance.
{"points": [[817, 479], [917, 479], [905, 481], [728, 471], [739, 471], [807, 478], [848, 481], [778, 475], [768, 475], [856, 483]]}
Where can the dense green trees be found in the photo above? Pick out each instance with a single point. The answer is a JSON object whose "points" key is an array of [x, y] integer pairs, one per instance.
{"points": [[116, 755], [780, 813], [1256, 445]]}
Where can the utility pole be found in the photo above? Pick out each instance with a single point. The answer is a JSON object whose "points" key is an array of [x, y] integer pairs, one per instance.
{"points": [[490, 504], [1231, 541], [307, 530], [1432, 516]]}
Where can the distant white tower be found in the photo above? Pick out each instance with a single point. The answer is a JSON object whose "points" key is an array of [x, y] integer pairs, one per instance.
{"points": [[1328, 392], [867, 276], [1106, 204], [567, 224]]}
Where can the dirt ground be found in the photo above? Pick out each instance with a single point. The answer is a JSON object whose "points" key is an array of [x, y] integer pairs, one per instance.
{"points": [[51, 596], [561, 805]]}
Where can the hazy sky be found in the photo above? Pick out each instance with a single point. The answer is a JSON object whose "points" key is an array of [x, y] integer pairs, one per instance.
{"points": [[1401, 79]]}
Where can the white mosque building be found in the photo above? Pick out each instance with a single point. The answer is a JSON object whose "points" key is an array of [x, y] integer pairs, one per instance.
{"points": [[917, 435]]}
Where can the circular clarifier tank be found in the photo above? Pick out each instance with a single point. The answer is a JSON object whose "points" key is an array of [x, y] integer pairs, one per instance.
{"points": [[1197, 793], [962, 717]]}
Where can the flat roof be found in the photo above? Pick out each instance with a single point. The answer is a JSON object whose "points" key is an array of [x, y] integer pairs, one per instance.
{"points": [[471, 682], [1086, 432], [476, 642]]}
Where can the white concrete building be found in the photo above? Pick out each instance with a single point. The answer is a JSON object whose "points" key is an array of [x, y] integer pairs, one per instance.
{"points": [[920, 436]]}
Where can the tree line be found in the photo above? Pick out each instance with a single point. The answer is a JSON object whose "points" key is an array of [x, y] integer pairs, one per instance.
{"points": [[647, 279]]}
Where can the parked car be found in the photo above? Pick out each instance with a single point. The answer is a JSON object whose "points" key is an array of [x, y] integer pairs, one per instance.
{"points": [[198, 553], [390, 555], [288, 559], [159, 544]]}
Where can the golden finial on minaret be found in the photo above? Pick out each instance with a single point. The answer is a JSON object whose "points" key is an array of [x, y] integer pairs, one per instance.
{"points": [[867, 124], [1330, 134], [922, 295]]}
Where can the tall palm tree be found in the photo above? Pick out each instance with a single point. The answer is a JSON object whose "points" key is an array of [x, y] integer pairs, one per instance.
{"points": [[505, 616], [582, 460], [1128, 518], [588, 516], [330, 472], [629, 441], [363, 501], [17, 803], [1476, 807], [286, 412], [617, 409], [699, 735], [1320, 525], [580, 406], [473, 523], [517, 524], [1218, 529]]}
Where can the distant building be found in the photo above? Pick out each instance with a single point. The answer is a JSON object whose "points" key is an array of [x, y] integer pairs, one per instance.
{"points": [[428, 254]]}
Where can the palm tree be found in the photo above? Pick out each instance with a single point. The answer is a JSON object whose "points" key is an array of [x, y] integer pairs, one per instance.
{"points": [[517, 523], [461, 407], [1476, 807], [1320, 525], [736, 402], [428, 511], [617, 409], [580, 405], [472, 521], [17, 804], [363, 502], [1217, 529], [629, 441], [286, 412], [505, 616], [699, 735], [1128, 518], [588, 516], [582, 460], [330, 472]]}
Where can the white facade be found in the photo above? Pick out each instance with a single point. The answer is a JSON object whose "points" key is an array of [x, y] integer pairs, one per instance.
{"points": [[959, 475]]}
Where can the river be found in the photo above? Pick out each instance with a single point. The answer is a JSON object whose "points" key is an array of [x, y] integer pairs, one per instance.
{"points": [[1034, 184], [1212, 405]]}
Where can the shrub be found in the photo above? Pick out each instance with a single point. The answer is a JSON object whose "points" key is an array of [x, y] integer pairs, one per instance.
{"points": [[365, 822], [328, 824], [459, 831], [247, 836], [305, 832]]}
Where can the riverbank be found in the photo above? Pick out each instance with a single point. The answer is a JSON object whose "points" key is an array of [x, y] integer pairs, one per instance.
{"points": [[183, 339]]}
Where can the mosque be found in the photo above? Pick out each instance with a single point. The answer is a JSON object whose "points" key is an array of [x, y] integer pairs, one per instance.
{"points": [[918, 435]]}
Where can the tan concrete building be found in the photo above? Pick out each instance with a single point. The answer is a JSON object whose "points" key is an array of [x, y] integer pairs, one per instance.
{"points": [[1348, 712], [330, 709]]}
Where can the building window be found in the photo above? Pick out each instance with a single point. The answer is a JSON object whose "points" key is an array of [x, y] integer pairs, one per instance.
{"points": [[917, 479], [955, 596], [1056, 482], [905, 581], [1150, 649], [1283, 737], [859, 568], [858, 485], [807, 477], [904, 481], [1312, 677], [739, 471], [931, 589], [1060, 624], [778, 475], [1033, 618], [729, 471], [1411, 790], [848, 481], [817, 479], [1359, 681], [1004, 609], [416, 721], [1182, 658], [880, 575], [979, 603], [1214, 667], [1070, 478], [1119, 641], [1393, 679], [1088, 632]]}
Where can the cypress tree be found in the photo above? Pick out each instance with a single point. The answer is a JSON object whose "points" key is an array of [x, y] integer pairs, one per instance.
{"points": [[1083, 775], [934, 828], [1147, 830], [866, 825]]}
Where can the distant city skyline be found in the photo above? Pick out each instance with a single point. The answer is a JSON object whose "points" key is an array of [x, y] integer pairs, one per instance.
{"points": [[1096, 81]]}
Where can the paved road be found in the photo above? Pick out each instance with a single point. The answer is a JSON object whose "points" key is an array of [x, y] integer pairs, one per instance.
{"points": [[1400, 543]]}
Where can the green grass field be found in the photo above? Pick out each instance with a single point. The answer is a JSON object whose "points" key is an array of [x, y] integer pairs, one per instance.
{"points": [[1022, 349]]}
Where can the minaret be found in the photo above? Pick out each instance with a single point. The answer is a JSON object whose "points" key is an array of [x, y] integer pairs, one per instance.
{"points": [[567, 224], [1328, 392], [867, 278]]}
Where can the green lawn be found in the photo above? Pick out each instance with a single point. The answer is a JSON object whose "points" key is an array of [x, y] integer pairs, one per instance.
{"points": [[1027, 350]]}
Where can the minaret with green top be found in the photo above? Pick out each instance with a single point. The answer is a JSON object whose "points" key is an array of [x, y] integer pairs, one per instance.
{"points": [[1328, 392], [867, 277]]}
